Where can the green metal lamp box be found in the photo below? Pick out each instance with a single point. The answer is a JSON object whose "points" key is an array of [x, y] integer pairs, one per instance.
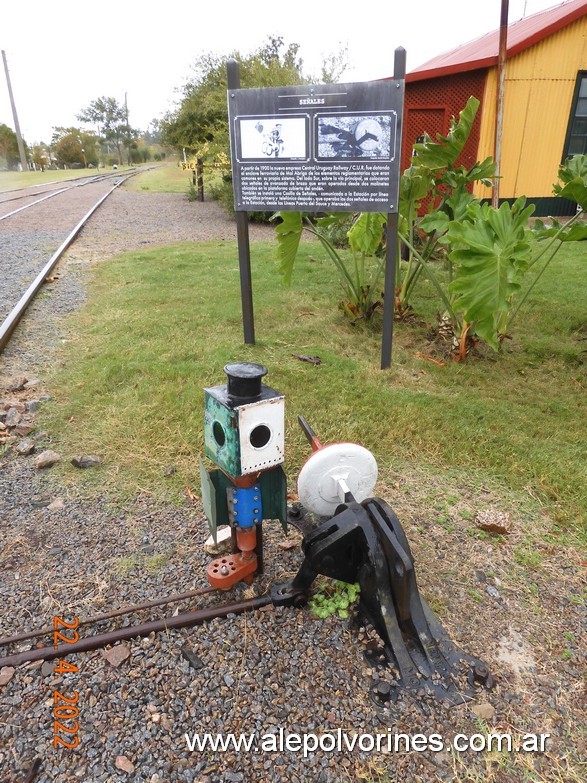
{"points": [[246, 438]]}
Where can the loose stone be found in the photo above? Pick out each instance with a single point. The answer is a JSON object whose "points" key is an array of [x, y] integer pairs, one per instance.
{"points": [[12, 417], [124, 763], [47, 458], [6, 674], [17, 384], [23, 428], [86, 461], [484, 711], [25, 447], [116, 655]]}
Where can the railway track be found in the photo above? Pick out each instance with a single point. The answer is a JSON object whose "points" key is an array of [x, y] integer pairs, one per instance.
{"points": [[27, 254], [31, 193], [92, 641]]}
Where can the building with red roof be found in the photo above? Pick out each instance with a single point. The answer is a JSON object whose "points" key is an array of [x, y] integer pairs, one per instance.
{"points": [[545, 100]]}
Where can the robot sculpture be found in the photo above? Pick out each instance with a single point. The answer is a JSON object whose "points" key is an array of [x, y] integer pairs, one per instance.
{"points": [[348, 535], [244, 435]]}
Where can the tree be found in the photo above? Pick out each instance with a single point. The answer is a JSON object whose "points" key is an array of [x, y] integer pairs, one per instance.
{"points": [[139, 151], [9, 155], [73, 146], [153, 133], [334, 64], [110, 119], [40, 156], [202, 117]]}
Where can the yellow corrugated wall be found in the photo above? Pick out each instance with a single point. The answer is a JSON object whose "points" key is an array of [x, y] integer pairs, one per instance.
{"points": [[539, 88]]}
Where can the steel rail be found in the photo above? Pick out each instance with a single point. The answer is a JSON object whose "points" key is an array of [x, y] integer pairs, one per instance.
{"points": [[110, 615], [183, 620], [38, 201], [27, 195], [19, 309], [104, 174], [80, 183]]}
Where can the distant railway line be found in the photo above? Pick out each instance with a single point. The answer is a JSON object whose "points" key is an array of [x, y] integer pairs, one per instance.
{"points": [[31, 193], [35, 234]]}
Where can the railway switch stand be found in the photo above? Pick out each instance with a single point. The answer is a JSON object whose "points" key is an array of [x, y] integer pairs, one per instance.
{"points": [[348, 534], [244, 425]]}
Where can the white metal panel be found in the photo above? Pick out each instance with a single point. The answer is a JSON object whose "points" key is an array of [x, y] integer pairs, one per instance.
{"points": [[262, 434]]}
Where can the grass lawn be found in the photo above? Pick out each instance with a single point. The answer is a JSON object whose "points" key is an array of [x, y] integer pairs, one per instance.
{"points": [[10, 180], [161, 324], [161, 178], [169, 178]]}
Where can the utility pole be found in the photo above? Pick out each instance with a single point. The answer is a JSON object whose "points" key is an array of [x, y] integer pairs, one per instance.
{"points": [[503, 44], [127, 127], [15, 116]]}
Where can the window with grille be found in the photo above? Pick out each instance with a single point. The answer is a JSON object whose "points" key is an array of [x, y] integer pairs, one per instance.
{"points": [[576, 141], [430, 103]]}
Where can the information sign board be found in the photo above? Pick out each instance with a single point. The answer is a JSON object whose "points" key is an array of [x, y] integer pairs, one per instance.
{"points": [[314, 148]]}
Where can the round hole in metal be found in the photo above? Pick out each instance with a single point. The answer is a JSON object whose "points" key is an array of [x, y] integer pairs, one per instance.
{"points": [[219, 434], [260, 436]]}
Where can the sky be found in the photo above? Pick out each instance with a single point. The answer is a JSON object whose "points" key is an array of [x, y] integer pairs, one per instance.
{"points": [[63, 55]]}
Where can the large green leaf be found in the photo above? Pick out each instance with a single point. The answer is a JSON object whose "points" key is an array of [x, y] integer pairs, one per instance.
{"points": [[446, 149], [573, 175], [490, 252], [572, 168], [415, 185], [366, 232], [575, 233], [460, 177], [434, 221], [333, 219], [575, 190], [457, 204], [482, 171], [289, 233]]}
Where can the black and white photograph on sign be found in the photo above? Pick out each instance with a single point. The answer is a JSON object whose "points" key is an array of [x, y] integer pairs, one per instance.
{"points": [[355, 136], [273, 137]]}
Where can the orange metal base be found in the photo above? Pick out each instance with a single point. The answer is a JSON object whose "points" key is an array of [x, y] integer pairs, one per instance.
{"points": [[224, 572]]}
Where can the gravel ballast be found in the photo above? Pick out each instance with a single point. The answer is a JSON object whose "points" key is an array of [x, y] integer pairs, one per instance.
{"points": [[70, 553]]}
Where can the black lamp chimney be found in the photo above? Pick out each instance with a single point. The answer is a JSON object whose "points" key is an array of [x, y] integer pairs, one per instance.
{"points": [[244, 380]]}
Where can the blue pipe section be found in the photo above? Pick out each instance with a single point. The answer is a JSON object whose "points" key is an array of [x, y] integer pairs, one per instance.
{"points": [[245, 506]]}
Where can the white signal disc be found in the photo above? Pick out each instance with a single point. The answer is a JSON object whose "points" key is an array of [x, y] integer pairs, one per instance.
{"points": [[318, 482]]}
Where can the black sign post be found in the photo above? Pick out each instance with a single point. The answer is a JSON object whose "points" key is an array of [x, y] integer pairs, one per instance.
{"points": [[317, 148], [391, 247], [242, 233]]}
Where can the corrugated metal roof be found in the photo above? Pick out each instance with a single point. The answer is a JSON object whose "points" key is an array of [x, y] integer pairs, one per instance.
{"points": [[483, 51]]}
